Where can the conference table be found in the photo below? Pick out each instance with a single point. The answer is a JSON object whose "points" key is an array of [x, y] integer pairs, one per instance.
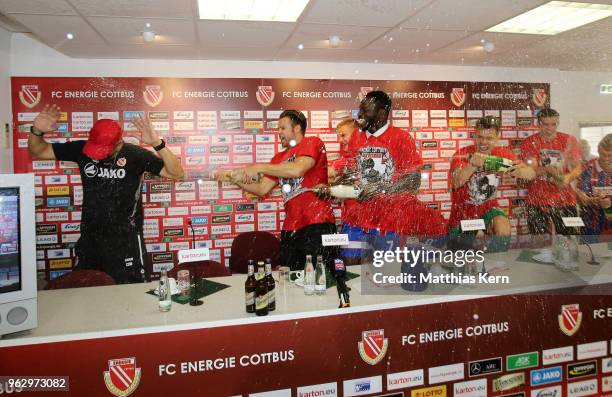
{"points": [[114, 340]]}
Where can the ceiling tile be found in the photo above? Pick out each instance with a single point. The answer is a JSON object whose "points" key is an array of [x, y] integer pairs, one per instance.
{"points": [[317, 36], [405, 40], [52, 29], [128, 30], [136, 8], [382, 13], [51, 7], [243, 34], [502, 42]]}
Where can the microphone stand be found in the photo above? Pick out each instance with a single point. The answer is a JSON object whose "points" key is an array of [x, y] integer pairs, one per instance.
{"points": [[190, 223], [194, 282], [592, 261]]}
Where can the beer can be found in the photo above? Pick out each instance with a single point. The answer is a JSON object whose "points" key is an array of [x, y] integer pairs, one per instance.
{"points": [[183, 281]]}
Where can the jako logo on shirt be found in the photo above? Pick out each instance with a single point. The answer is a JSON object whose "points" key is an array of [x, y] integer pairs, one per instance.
{"points": [[91, 171]]}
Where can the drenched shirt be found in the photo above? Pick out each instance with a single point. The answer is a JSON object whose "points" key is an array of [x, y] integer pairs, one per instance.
{"points": [[382, 157], [112, 201], [562, 152], [478, 195], [302, 206]]}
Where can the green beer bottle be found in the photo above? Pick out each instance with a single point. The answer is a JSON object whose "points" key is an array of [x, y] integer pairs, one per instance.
{"points": [[496, 163]]}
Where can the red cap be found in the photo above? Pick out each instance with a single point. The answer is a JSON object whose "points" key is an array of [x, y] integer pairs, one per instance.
{"points": [[103, 138]]}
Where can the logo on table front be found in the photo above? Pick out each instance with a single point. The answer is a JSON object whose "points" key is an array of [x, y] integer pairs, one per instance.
{"points": [[30, 95], [458, 96], [373, 346], [122, 377], [153, 95], [570, 319], [264, 95]]}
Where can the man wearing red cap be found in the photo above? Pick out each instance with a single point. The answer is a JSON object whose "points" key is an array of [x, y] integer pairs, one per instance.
{"points": [[112, 174]]}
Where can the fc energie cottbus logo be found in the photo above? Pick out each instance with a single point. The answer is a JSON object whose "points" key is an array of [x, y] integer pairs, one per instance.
{"points": [[373, 346], [570, 319], [30, 95], [122, 377], [153, 95]]}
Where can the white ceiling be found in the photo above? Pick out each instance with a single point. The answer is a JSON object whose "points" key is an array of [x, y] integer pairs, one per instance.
{"points": [[388, 31]]}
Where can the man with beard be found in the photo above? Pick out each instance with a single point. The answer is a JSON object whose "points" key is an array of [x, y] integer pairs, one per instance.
{"points": [[474, 194], [297, 169], [112, 176], [595, 192]]}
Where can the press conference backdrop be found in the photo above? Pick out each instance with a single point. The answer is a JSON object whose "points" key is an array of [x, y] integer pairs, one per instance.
{"points": [[211, 123]]}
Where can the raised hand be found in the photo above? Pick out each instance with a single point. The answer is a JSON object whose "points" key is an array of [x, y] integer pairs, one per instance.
{"points": [[46, 121], [146, 133]]}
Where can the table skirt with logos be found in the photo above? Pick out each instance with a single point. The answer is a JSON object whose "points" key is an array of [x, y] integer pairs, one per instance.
{"points": [[113, 340]]}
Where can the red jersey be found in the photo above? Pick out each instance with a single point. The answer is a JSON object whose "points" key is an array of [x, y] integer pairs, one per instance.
{"points": [[302, 207], [561, 152], [381, 157], [479, 194]]}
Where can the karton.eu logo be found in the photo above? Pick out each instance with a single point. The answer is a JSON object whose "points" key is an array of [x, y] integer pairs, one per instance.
{"points": [[122, 377], [373, 346], [570, 319]]}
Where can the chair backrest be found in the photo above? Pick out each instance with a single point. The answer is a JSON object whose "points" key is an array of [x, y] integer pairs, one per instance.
{"points": [[81, 278], [206, 269], [256, 246]]}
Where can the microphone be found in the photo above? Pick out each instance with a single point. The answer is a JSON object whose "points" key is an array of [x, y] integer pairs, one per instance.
{"points": [[340, 276], [190, 223]]}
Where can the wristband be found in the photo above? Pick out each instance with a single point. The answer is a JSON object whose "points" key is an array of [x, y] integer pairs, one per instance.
{"points": [[160, 146], [34, 133]]}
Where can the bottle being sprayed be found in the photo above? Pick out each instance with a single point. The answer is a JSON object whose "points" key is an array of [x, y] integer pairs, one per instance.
{"points": [[339, 191], [496, 163]]}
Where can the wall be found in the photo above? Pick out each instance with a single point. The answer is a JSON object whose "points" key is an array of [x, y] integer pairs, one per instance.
{"points": [[574, 94], [6, 154]]}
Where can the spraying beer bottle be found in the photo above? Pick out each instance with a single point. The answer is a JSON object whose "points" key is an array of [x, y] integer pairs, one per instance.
{"points": [[271, 284], [496, 163], [249, 289], [261, 292]]}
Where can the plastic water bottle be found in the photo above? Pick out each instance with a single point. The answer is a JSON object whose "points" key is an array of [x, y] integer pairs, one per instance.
{"points": [[309, 276], [320, 277], [165, 300]]}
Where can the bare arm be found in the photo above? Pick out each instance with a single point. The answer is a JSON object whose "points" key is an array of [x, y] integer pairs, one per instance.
{"points": [[293, 169], [147, 134], [46, 121], [261, 188]]}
